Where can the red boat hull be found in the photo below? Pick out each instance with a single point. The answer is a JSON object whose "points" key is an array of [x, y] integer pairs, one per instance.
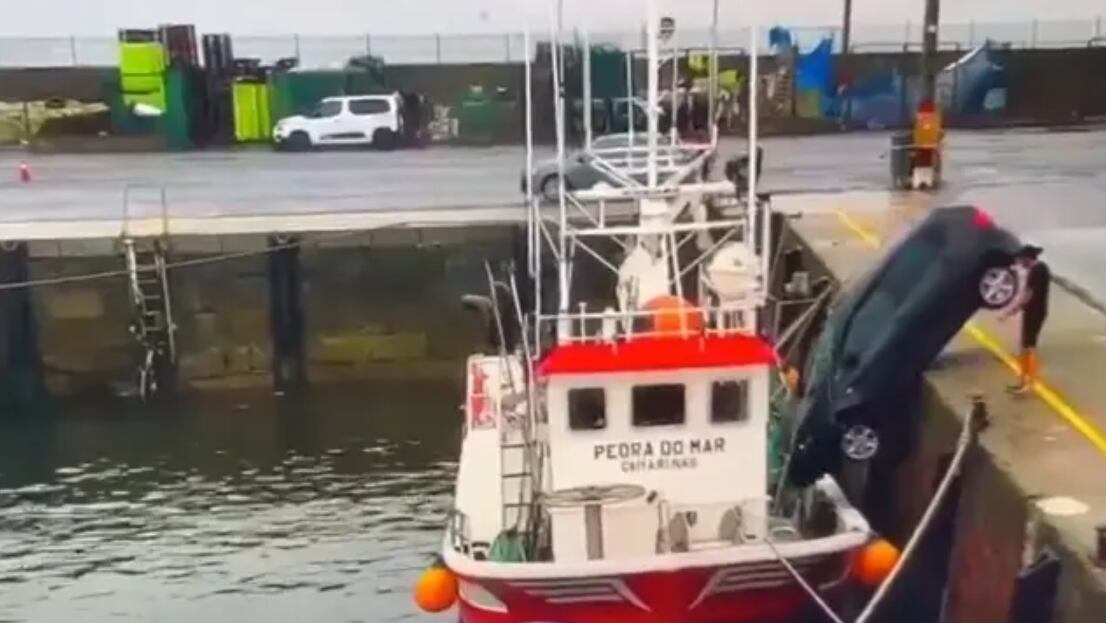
{"points": [[753, 592]]}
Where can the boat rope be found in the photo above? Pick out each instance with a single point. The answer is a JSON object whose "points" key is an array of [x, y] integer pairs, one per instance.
{"points": [[801, 322], [802, 582], [972, 424], [211, 259]]}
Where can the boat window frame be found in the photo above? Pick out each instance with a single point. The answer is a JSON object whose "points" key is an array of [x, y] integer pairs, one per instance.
{"points": [[604, 421], [745, 385], [686, 395]]}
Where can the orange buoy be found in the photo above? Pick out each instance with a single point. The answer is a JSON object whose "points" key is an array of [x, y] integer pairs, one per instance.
{"points": [[436, 589], [874, 562], [673, 315]]}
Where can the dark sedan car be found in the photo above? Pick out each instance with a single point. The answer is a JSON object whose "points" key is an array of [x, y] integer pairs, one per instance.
{"points": [[889, 327]]}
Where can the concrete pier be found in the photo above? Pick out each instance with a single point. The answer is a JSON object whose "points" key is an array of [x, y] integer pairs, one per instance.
{"points": [[286, 313], [252, 308], [1037, 486], [20, 363]]}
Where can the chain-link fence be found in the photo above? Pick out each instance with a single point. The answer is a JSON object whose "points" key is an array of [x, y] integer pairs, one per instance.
{"points": [[330, 52]]}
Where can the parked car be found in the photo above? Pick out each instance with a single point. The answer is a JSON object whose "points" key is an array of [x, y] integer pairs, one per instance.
{"points": [[374, 120], [580, 170], [887, 330]]}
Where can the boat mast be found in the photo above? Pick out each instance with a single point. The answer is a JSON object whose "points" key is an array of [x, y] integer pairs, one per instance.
{"points": [[758, 216], [712, 80], [651, 96], [533, 220], [587, 91], [558, 107], [630, 105], [674, 91]]}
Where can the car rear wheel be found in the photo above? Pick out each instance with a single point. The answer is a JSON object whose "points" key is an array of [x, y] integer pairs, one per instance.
{"points": [[550, 188], [299, 141], [860, 442], [998, 285], [384, 139]]}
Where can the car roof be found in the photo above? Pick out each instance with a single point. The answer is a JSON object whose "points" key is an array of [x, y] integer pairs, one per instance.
{"points": [[372, 96]]}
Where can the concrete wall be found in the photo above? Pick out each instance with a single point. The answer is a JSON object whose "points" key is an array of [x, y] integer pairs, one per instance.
{"points": [[982, 533], [1045, 86], [1056, 85], [84, 84], [383, 304], [447, 84]]}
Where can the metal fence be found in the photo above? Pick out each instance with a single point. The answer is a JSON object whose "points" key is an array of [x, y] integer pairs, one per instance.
{"points": [[322, 52]]}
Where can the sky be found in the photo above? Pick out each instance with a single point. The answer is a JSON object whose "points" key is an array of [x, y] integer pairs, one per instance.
{"points": [[104, 17]]}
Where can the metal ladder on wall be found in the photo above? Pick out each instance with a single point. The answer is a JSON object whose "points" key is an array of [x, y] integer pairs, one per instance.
{"points": [[515, 460], [153, 327]]}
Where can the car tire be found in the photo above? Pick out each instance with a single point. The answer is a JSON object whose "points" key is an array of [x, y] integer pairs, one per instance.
{"points": [[860, 443], [997, 287], [384, 139], [550, 187], [298, 141]]}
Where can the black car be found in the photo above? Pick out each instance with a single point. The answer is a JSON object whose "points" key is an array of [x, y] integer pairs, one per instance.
{"points": [[888, 328]]}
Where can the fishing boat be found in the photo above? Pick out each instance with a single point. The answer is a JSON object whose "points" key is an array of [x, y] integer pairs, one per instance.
{"points": [[616, 463]]}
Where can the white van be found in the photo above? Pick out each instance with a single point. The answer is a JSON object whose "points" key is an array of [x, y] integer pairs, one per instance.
{"points": [[349, 120]]}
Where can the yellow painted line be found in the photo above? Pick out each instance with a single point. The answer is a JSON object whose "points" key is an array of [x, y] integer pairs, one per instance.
{"points": [[1048, 395], [861, 232]]}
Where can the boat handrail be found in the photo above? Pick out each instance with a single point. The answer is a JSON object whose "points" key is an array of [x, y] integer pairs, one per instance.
{"points": [[611, 325]]}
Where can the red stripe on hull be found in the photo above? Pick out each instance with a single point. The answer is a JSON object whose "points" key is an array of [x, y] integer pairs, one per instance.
{"points": [[743, 594]]}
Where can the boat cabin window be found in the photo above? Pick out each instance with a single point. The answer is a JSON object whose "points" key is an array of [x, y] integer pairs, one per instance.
{"points": [[587, 408], [659, 405], [728, 401]]}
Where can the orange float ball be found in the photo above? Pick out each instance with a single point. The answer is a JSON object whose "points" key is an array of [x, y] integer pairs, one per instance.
{"points": [[673, 315], [875, 561], [436, 590]]}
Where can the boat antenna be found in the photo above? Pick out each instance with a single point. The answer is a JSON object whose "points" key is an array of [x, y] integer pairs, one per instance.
{"points": [[674, 90], [529, 178], [651, 28], [587, 90], [630, 105], [754, 52], [712, 80], [763, 213], [559, 104]]}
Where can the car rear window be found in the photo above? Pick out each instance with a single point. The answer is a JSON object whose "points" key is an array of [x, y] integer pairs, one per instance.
{"points": [[368, 107]]}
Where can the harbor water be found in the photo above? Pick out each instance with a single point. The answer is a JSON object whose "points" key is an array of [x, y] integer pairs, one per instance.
{"points": [[324, 508]]}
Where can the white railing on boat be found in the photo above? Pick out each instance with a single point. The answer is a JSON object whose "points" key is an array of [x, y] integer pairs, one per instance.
{"points": [[610, 325]]}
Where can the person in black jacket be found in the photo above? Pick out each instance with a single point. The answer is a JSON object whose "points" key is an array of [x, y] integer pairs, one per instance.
{"points": [[1033, 306]]}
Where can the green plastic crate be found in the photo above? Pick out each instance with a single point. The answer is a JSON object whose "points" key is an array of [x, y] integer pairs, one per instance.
{"points": [[252, 118]]}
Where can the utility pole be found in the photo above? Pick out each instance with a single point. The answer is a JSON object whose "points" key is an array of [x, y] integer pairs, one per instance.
{"points": [[846, 28], [844, 70], [929, 50]]}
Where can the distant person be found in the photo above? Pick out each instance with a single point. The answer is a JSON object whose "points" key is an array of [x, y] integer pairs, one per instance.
{"points": [[1033, 305]]}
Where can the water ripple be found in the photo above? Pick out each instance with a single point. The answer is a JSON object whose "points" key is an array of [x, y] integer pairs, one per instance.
{"points": [[335, 529]]}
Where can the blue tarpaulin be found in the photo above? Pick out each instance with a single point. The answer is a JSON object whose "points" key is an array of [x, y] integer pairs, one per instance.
{"points": [[974, 85], [814, 70]]}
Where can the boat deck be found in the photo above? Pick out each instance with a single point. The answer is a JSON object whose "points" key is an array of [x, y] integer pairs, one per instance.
{"points": [[1049, 447]]}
